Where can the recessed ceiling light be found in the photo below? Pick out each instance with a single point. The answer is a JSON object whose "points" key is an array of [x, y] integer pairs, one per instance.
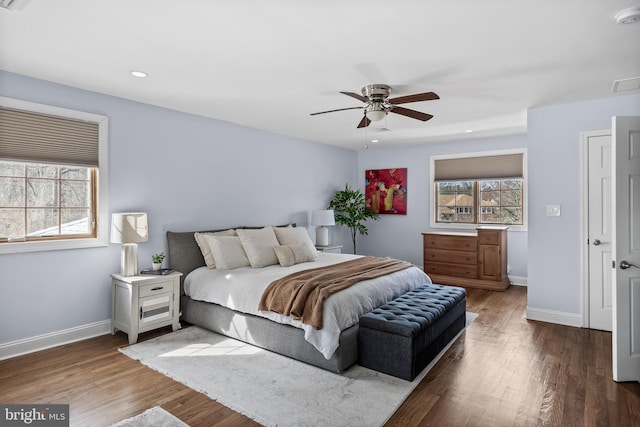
{"points": [[375, 140], [139, 74], [628, 16], [468, 131]]}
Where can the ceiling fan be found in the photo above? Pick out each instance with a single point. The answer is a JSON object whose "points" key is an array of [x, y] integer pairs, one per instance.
{"points": [[378, 104]]}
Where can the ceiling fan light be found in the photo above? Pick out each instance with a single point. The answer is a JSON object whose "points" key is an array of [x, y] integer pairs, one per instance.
{"points": [[376, 115]]}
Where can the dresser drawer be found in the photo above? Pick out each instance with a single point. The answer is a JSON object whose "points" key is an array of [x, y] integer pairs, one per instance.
{"points": [[156, 288], [451, 257], [470, 272], [458, 243], [488, 237]]}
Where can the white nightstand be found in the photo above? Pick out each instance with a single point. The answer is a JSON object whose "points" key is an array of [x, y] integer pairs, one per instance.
{"points": [[331, 249], [142, 303]]}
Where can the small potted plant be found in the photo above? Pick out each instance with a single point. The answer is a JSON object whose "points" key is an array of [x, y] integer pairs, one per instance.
{"points": [[156, 260]]}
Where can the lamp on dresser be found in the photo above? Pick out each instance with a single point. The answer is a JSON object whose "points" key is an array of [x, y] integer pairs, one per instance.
{"points": [[129, 228], [322, 219]]}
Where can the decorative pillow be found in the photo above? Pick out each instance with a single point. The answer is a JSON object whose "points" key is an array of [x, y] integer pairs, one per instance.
{"points": [[227, 252], [258, 245], [295, 236], [289, 255], [204, 245]]}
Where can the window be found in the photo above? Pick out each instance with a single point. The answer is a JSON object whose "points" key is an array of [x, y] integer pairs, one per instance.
{"points": [[498, 201], [479, 189], [501, 201], [52, 178], [39, 201], [455, 201]]}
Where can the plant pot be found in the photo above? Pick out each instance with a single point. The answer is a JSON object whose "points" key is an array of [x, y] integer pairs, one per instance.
{"points": [[156, 265]]}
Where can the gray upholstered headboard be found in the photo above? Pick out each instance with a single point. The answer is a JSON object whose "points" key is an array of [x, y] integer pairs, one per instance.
{"points": [[184, 252]]}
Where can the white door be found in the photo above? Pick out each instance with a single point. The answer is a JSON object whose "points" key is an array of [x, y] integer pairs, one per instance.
{"points": [[626, 248], [599, 230]]}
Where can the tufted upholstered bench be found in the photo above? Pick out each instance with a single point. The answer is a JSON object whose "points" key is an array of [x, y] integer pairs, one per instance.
{"points": [[401, 337]]}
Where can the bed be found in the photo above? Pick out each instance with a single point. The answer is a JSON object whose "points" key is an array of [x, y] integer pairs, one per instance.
{"points": [[224, 300]]}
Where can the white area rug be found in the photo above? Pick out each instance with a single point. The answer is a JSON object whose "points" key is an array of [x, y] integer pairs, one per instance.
{"points": [[273, 389], [154, 417]]}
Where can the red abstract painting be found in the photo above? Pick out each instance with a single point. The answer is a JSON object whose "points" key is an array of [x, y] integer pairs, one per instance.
{"points": [[386, 191]]}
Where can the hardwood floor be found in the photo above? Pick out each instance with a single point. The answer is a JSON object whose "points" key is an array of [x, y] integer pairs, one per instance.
{"points": [[502, 371]]}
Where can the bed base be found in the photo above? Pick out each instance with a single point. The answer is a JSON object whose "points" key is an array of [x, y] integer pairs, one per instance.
{"points": [[282, 339]]}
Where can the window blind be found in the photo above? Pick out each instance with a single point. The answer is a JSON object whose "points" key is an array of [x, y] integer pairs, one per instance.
{"points": [[28, 136], [500, 166]]}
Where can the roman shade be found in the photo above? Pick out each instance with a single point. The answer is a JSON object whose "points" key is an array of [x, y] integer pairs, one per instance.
{"points": [[35, 137], [499, 166]]}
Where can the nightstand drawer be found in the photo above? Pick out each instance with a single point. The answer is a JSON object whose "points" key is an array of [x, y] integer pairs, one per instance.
{"points": [[155, 289], [156, 309]]}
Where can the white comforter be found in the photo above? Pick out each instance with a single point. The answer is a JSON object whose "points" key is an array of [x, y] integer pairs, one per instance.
{"points": [[240, 289]]}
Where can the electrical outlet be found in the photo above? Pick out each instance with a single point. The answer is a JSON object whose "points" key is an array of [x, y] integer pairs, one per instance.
{"points": [[553, 210]]}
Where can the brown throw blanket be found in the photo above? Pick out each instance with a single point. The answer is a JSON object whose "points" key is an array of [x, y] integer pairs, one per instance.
{"points": [[302, 294]]}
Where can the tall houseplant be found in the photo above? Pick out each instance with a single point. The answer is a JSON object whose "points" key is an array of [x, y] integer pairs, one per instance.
{"points": [[351, 211]]}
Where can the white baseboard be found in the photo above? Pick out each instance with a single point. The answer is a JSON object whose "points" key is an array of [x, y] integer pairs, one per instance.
{"points": [[552, 316], [54, 339], [519, 281]]}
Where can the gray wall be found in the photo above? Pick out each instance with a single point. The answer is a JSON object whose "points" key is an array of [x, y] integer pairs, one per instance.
{"points": [[555, 263], [400, 235], [187, 172]]}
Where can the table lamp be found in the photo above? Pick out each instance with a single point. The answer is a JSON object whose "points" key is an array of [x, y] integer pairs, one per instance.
{"points": [[129, 228], [322, 219]]}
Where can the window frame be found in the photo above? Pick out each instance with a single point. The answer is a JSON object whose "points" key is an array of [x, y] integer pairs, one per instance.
{"points": [[102, 228], [472, 226]]}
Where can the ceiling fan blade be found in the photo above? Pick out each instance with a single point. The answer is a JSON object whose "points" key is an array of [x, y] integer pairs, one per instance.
{"points": [[339, 109], [411, 113], [356, 96], [427, 96], [364, 122]]}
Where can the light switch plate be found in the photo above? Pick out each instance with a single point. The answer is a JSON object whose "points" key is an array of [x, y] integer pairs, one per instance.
{"points": [[553, 210]]}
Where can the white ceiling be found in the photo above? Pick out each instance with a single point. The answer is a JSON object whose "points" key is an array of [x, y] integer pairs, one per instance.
{"points": [[269, 64]]}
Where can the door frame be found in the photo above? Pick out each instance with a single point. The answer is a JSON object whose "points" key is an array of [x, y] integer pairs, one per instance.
{"points": [[584, 218]]}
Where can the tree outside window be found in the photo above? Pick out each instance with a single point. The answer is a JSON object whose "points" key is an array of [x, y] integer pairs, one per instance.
{"points": [[40, 201]]}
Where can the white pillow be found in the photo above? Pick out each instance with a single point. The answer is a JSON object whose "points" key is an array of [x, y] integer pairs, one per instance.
{"points": [[258, 245], [227, 252], [289, 255], [204, 245], [295, 236]]}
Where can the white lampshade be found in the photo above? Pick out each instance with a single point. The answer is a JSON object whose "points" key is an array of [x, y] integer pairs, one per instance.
{"points": [[325, 217], [129, 228], [322, 219]]}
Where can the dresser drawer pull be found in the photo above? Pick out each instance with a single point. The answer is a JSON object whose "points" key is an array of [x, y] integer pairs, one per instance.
{"points": [[157, 288]]}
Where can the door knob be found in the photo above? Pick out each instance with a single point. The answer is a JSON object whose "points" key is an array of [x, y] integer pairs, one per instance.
{"points": [[596, 242], [625, 264]]}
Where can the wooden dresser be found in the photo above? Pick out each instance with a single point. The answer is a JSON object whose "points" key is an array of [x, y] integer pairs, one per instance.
{"points": [[474, 260]]}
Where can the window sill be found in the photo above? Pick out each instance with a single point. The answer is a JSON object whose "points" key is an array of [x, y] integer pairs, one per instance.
{"points": [[39, 246]]}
